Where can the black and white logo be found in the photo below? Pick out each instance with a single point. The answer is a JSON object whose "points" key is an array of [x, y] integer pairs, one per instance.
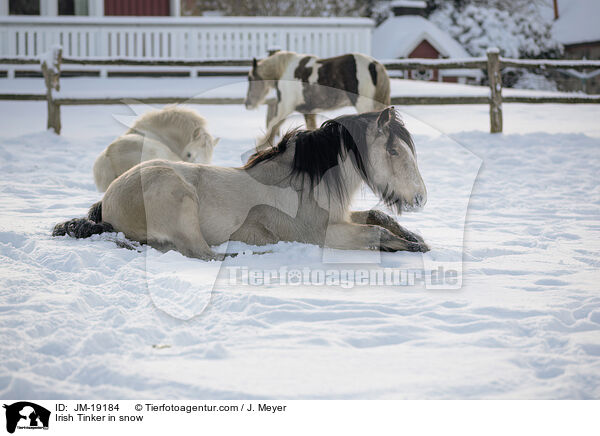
{"points": [[26, 415]]}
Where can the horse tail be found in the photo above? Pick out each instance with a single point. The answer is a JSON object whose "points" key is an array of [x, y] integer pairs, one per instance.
{"points": [[84, 227], [382, 88]]}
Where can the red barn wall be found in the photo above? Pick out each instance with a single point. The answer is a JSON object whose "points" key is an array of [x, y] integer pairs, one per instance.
{"points": [[137, 7], [424, 50]]}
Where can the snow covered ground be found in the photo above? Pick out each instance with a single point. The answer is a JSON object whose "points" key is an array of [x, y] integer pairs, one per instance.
{"points": [[85, 319]]}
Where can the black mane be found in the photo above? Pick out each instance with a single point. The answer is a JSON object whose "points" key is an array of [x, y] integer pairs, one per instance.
{"points": [[317, 152]]}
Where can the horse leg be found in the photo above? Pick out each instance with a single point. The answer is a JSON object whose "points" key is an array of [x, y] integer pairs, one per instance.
{"points": [[271, 110], [365, 104], [268, 140], [275, 119], [350, 236], [311, 121], [254, 233], [381, 219], [255, 229], [173, 220]]}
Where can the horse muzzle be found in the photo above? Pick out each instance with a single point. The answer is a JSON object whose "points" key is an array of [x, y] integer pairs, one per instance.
{"points": [[417, 203], [420, 200]]}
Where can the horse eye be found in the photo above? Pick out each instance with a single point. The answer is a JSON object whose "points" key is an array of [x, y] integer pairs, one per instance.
{"points": [[189, 155], [392, 151]]}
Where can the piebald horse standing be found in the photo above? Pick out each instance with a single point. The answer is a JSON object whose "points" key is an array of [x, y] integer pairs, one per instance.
{"points": [[299, 190], [307, 84]]}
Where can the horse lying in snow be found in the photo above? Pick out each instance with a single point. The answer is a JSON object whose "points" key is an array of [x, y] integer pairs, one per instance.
{"points": [[173, 133], [299, 190], [307, 84]]}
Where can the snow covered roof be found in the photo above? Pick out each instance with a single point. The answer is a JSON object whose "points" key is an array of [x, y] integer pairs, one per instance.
{"points": [[577, 22], [397, 37]]}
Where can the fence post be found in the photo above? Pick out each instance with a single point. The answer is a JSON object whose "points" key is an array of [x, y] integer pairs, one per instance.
{"points": [[495, 79], [51, 71]]}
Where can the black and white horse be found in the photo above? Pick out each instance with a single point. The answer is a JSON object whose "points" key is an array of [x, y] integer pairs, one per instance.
{"points": [[309, 85], [299, 190]]}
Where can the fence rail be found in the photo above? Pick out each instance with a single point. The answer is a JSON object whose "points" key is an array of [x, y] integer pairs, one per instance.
{"points": [[482, 63], [390, 64], [136, 62], [493, 63]]}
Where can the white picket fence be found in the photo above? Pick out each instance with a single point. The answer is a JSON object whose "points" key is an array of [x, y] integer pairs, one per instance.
{"points": [[182, 37]]}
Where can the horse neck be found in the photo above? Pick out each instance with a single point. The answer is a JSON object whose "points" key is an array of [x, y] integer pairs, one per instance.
{"points": [[352, 180], [273, 67], [276, 171]]}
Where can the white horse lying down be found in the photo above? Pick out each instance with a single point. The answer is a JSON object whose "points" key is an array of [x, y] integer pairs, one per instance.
{"points": [[173, 133], [297, 191]]}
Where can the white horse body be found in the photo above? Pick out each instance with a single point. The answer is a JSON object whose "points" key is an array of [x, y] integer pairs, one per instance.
{"points": [[173, 133], [299, 191], [224, 195], [125, 153]]}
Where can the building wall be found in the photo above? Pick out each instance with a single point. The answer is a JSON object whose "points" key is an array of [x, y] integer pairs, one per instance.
{"points": [[94, 8], [137, 7], [590, 51], [425, 50]]}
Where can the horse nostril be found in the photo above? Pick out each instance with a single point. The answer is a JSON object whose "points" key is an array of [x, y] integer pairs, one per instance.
{"points": [[419, 200]]}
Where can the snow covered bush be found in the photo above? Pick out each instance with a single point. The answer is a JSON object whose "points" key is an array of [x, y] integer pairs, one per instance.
{"points": [[528, 80], [517, 33], [516, 27]]}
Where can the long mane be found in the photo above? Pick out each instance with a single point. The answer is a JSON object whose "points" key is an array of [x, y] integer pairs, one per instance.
{"points": [[317, 153]]}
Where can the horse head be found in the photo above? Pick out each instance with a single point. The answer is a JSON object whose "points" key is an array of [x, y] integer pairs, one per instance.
{"points": [[200, 148], [394, 174], [258, 87]]}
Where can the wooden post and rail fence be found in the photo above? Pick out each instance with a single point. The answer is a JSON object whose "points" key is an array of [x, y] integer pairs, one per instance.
{"points": [[51, 67]]}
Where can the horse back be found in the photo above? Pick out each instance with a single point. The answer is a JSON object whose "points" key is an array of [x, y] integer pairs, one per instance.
{"points": [[340, 81], [156, 185]]}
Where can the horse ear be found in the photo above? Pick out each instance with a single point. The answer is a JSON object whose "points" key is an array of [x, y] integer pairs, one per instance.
{"points": [[197, 132], [254, 63], [216, 141], [385, 117]]}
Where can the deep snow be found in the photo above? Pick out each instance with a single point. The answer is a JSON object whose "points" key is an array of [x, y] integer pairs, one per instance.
{"points": [[80, 319]]}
